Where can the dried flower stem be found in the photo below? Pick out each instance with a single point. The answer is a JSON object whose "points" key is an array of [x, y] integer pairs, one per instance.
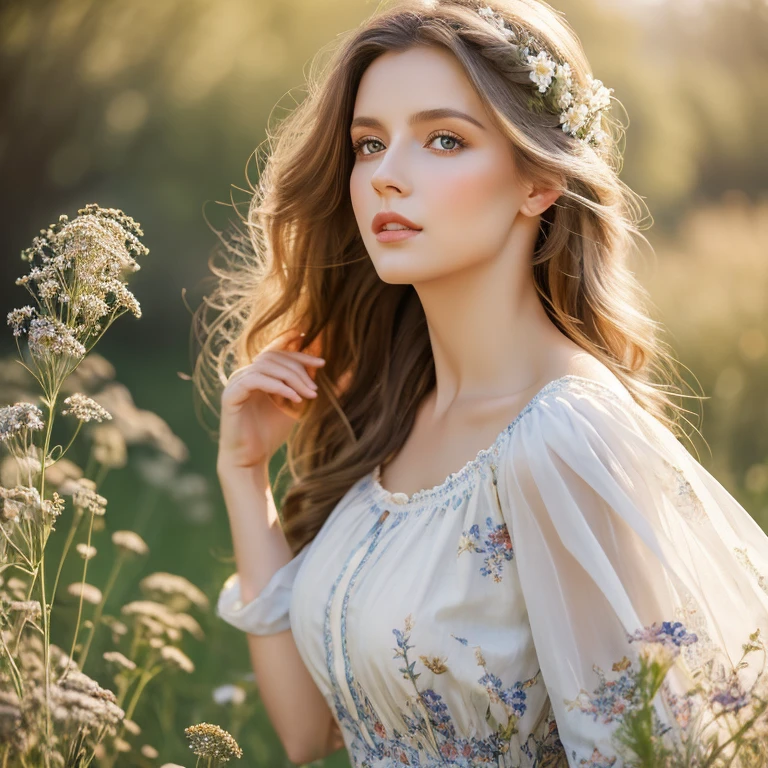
{"points": [[100, 607], [80, 605]]}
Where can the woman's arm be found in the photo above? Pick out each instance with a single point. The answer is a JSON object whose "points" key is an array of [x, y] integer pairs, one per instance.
{"points": [[294, 704]]}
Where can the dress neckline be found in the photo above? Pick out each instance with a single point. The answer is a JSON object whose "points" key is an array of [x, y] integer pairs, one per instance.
{"points": [[455, 478]]}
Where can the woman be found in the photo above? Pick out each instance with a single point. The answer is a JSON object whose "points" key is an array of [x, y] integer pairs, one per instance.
{"points": [[494, 543]]}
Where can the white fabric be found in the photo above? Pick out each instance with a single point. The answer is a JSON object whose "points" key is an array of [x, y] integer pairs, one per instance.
{"points": [[267, 613], [487, 620]]}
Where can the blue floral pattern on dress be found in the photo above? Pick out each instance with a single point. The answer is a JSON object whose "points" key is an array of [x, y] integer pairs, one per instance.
{"points": [[429, 727], [496, 546]]}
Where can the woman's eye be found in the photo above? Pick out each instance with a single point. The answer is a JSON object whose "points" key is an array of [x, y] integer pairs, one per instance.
{"points": [[454, 144]]}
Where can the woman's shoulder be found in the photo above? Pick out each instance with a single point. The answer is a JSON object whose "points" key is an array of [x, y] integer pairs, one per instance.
{"points": [[579, 394]]}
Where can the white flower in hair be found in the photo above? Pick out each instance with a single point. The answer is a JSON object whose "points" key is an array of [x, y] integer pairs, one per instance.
{"points": [[543, 70], [574, 118], [564, 85], [490, 15], [598, 95], [578, 107]]}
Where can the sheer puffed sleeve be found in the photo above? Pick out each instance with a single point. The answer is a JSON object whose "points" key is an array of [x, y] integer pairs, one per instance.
{"points": [[267, 613], [632, 556]]}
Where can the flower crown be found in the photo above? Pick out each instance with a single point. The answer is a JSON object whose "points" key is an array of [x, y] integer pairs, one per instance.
{"points": [[579, 108]]}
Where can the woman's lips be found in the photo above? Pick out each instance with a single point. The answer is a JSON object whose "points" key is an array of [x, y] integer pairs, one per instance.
{"points": [[394, 235]]}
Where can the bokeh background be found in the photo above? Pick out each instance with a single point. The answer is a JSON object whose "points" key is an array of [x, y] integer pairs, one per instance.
{"points": [[156, 106]]}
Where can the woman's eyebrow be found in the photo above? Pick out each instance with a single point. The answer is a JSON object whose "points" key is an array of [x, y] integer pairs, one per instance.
{"points": [[418, 117]]}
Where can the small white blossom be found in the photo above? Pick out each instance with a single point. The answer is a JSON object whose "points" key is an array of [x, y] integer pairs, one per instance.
{"points": [[117, 658], [597, 95], [54, 337], [543, 70], [85, 551], [229, 694], [574, 118], [18, 317], [85, 408], [89, 593], [130, 542], [19, 417]]}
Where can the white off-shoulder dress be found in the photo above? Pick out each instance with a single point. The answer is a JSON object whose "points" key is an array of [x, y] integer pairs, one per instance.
{"points": [[501, 617]]}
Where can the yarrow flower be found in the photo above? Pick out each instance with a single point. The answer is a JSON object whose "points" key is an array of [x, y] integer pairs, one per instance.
{"points": [[130, 542], [85, 408], [85, 551], [88, 592], [19, 418], [75, 278], [207, 740], [84, 495], [171, 585], [177, 658], [117, 658]]}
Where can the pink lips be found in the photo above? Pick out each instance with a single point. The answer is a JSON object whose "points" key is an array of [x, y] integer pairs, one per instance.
{"points": [[386, 217], [393, 235]]}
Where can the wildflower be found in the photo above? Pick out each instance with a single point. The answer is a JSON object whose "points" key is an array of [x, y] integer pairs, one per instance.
{"points": [[84, 408], [18, 419], [84, 496], [180, 590], [88, 592], [118, 628], [77, 700], [189, 624], [27, 607], [17, 501], [118, 659], [156, 611], [20, 467], [157, 629], [54, 337], [229, 694], [574, 117], [63, 469], [543, 70], [140, 426], [85, 551], [109, 447], [121, 745], [149, 752], [207, 740], [18, 317], [131, 727], [598, 96], [23, 503], [177, 658], [130, 542]]}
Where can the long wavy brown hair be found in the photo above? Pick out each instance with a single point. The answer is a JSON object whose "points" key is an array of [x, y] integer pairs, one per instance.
{"points": [[299, 263]]}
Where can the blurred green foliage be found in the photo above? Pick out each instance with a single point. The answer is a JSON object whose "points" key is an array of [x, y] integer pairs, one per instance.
{"points": [[155, 108]]}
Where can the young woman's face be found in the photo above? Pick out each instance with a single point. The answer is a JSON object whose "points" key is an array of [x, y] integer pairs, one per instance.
{"points": [[453, 177]]}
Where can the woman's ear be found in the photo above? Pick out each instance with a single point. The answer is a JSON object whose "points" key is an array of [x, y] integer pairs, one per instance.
{"points": [[538, 200]]}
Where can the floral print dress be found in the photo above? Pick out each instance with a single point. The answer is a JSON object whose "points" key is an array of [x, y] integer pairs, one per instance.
{"points": [[506, 617]]}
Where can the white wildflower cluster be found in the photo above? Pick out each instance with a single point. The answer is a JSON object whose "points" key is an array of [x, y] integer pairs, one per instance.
{"points": [[85, 408], [130, 542], [174, 589], [84, 495], [23, 504], [76, 280], [579, 107], [18, 418]]}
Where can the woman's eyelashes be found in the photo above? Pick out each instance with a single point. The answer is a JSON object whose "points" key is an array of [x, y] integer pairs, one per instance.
{"points": [[457, 141]]}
